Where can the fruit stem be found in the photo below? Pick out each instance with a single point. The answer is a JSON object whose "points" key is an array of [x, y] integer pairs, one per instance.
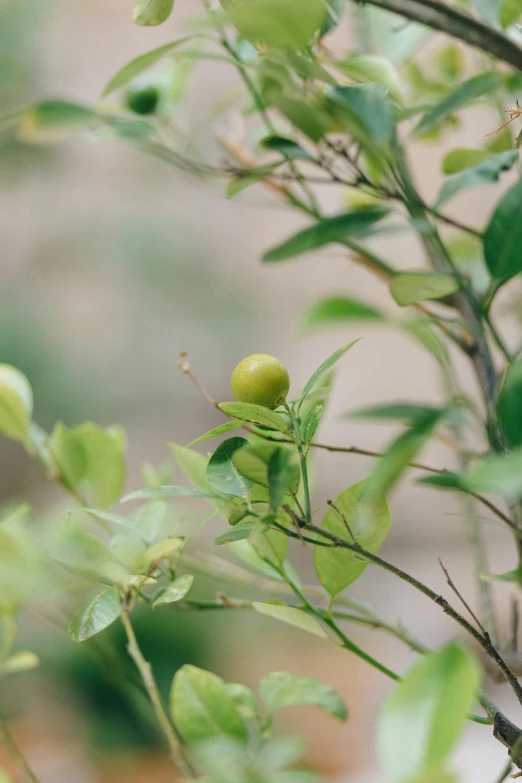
{"points": [[302, 457]]}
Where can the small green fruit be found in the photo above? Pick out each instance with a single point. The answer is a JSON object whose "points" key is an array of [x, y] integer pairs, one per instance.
{"points": [[260, 379], [144, 100]]}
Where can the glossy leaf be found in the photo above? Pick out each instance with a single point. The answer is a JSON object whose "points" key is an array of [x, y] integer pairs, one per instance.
{"points": [[484, 173], [16, 403], [99, 613], [408, 288], [464, 94], [174, 591], [151, 13], [281, 689], [223, 475], [509, 405], [425, 714], [368, 519], [201, 706], [325, 367], [277, 23], [253, 460], [336, 229], [503, 237], [337, 310], [291, 616], [256, 414]]}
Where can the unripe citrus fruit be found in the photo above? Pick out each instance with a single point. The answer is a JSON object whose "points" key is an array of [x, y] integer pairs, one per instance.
{"points": [[144, 100], [260, 379]]}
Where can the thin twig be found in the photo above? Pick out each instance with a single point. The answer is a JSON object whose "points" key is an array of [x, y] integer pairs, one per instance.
{"points": [[149, 681], [460, 597], [343, 517]]}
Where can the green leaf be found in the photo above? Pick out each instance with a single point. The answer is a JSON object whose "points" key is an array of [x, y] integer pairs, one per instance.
{"points": [[106, 471], [288, 148], [256, 414], [239, 532], [192, 464], [369, 520], [50, 122], [503, 237], [245, 179], [324, 367], [509, 405], [408, 288], [16, 403], [158, 551], [425, 714], [99, 613], [484, 173], [410, 413], [465, 93], [401, 452], [277, 23], [424, 332], [281, 689], [174, 591], [337, 310], [292, 616], [223, 475], [336, 229], [433, 776], [281, 476], [444, 480], [170, 491], [367, 111], [246, 552], [309, 117], [498, 475], [201, 706], [463, 158], [22, 661], [135, 67], [510, 12], [311, 423], [271, 545], [252, 462], [373, 68], [69, 455], [151, 13], [245, 699]]}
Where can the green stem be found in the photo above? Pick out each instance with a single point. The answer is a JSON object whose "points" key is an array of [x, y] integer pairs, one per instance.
{"points": [[16, 753], [302, 459]]}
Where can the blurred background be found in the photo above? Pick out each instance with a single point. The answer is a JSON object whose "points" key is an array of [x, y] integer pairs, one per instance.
{"points": [[112, 263]]}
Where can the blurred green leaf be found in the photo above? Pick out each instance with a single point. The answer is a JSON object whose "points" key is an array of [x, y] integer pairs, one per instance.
{"points": [[152, 12], [367, 112], [281, 689], [408, 288], [464, 94], [269, 545], [426, 712], [498, 475], [510, 12], [291, 616], [337, 310], [256, 414], [290, 149], [245, 699], [174, 591], [170, 491], [462, 158], [484, 173], [22, 661], [249, 177], [429, 336], [201, 706], [277, 23], [99, 613], [411, 413], [239, 532], [223, 475], [309, 117], [369, 520], [373, 68], [50, 122], [159, 551], [16, 403], [509, 404], [192, 464], [336, 229], [503, 237], [140, 64]]}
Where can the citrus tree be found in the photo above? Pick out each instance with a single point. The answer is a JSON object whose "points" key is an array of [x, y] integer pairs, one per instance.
{"points": [[317, 114]]}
